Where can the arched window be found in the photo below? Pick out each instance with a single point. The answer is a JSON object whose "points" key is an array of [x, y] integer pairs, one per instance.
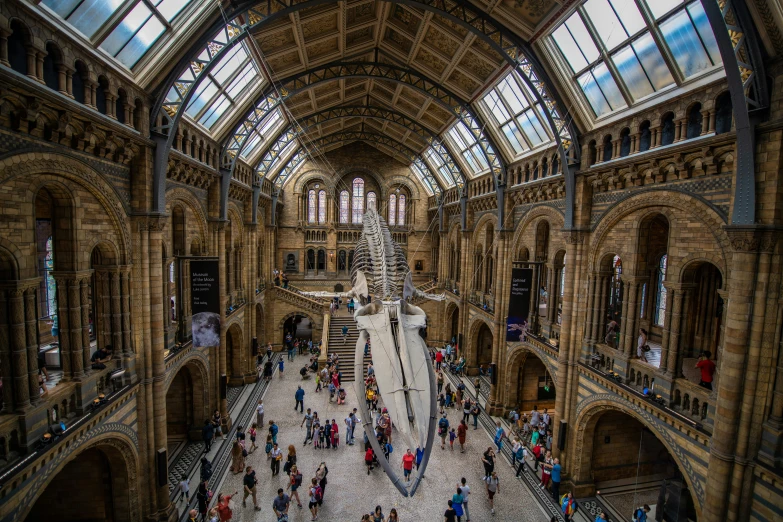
{"points": [[51, 285], [322, 207], [358, 200], [401, 210], [311, 206], [372, 201], [392, 210], [344, 206], [660, 294]]}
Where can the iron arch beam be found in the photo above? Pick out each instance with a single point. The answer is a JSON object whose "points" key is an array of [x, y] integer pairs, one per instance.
{"points": [[178, 88], [430, 137], [737, 42]]}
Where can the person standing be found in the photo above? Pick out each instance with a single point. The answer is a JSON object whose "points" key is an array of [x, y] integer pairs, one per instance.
{"points": [[443, 431], [707, 368], [521, 456], [475, 412], [299, 396], [465, 497], [456, 501], [546, 470], [555, 478], [277, 456], [184, 487], [321, 474], [407, 464], [203, 496], [308, 419], [568, 506], [280, 367], [419, 457], [462, 433], [192, 514], [499, 434], [450, 515], [493, 487], [249, 482], [281, 503], [641, 345], [438, 363]]}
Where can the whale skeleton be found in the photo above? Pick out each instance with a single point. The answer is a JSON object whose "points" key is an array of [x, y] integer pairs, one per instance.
{"points": [[403, 370]]}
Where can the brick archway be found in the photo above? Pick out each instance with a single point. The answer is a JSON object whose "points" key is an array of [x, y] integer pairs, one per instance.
{"points": [[521, 382]]}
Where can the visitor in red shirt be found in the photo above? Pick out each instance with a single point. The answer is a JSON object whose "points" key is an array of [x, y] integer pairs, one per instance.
{"points": [[407, 463], [707, 368], [438, 359], [368, 458]]}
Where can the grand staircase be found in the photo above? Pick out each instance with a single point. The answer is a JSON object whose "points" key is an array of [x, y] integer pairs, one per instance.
{"points": [[346, 350]]}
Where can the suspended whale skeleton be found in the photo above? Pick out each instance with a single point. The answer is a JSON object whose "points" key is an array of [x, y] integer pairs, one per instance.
{"points": [[404, 374]]}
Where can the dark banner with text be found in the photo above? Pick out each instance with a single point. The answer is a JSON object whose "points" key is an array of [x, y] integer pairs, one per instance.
{"points": [[205, 301], [519, 304]]}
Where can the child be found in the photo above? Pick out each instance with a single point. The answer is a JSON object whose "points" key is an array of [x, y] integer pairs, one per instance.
{"points": [[253, 431], [321, 436], [452, 436], [335, 434], [316, 434], [332, 389], [447, 401], [268, 446], [441, 401], [328, 434], [213, 515], [280, 367], [341, 396], [184, 486]]}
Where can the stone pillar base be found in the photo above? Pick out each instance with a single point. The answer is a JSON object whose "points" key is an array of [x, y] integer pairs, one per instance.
{"points": [[578, 489], [771, 452], [495, 409]]}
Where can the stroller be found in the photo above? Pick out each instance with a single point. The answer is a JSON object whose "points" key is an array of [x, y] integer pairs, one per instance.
{"points": [[458, 368]]}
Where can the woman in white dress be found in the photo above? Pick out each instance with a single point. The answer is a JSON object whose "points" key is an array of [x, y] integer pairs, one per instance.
{"points": [[641, 344]]}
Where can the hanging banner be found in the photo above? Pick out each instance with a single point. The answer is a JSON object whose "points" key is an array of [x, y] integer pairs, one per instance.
{"points": [[205, 302], [519, 304]]}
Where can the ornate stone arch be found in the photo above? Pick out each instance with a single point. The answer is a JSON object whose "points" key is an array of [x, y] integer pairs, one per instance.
{"points": [[551, 214], [181, 194], [315, 175], [118, 438], [197, 359], [691, 205], [288, 316], [406, 182], [587, 414], [46, 169]]}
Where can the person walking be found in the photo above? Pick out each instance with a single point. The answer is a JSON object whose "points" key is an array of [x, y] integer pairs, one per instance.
{"points": [[207, 434], [280, 504], [488, 459], [443, 431], [184, 487], [273, 429], [377, 515], [475, 412], [224, 507], [466, 404], [345, 333], [521, 456], [456, 501], [253, 433], [440, 381], [465, 497], [299, 396], [450, 515], [277, 455], [707, 369], [280, 367], [315, 495], [499, 434], [321, 474], [568, 506], [555, 478], [407, 464], [290, 460], [237, 457], [419, 458], [294, 483], [462, 433], [493, 487], [249, 483], [203, 495]]}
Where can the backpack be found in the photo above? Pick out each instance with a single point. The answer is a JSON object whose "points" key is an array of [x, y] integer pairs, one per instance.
{"points": [[638, 513], [298, 479], [442, 425], [389, 448], [319, 494]]}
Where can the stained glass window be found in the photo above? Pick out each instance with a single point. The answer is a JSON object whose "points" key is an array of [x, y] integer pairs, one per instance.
{"points": [[344, 206], [358, 200], [392, 210], [372, 201], [51, 285], [401, 210], [311, 206], [141, 24], [618, 29], [322, 207], [660, 294]]}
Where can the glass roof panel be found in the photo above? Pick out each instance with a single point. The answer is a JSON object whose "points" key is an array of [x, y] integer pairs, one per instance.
{"points": [[419, 174], [88, 16], [661, 7]]}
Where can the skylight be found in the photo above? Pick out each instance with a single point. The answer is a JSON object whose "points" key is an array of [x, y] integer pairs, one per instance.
{"points": [[280, 160], [423, 179], [220, 89], [615, 60], [469, 148], [513, 108], [262, 134], [438, 166], [142, 22]]}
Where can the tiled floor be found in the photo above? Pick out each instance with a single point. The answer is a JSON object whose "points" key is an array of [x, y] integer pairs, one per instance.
{"points": [[351, 492]]}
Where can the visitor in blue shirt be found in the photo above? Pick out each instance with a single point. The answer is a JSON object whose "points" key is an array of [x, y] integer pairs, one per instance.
{"points": [[299, 396], [556, 480]]}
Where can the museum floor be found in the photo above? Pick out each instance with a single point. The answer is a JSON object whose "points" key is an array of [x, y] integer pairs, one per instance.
{"points": [[350, 491]]}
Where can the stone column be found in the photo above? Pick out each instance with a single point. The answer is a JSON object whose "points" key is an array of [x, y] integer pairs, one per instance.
{"points": [[671, 295], [18, 349], [31, 330], [116, 313], [85, 309], [600, 311], [127, 341], [222, 362], [75, 320], [156, 226], [5, 353], [724, 477], [672, 367], [501, 277], [622, 345], [4, 34], [589, 327], [101, 296]]}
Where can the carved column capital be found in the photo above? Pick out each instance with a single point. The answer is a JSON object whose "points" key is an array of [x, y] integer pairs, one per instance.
{"points": [[752, 238]]}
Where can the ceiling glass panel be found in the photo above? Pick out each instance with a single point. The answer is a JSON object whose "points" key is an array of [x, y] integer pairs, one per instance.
{"points": [[684, 41], [661, 7], [650, 57], [632, 73]]}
